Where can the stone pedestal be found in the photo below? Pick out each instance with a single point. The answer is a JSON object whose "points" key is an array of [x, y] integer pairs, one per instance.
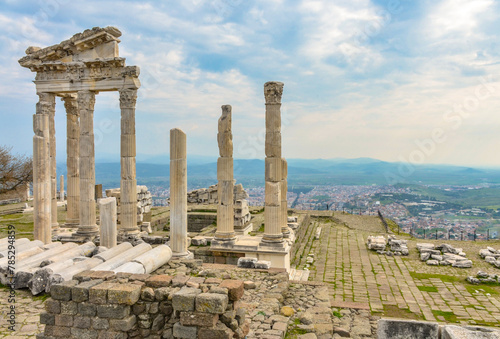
{"points": [[225, 189], [178, 194], [87, 227], [72, 162], [41, 169], [108, 231], [273, 219], [128, 183]]}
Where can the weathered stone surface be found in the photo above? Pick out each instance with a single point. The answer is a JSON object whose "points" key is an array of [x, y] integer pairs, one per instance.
{"points": [[235, 288], [124, 294], [220, 331], [63, 291], [469, 332], [113, 311], [393, 328], [184, 299], [246, 262], [185, 332], [80, 292], [211, 303], [198, 319], [160, 280]]}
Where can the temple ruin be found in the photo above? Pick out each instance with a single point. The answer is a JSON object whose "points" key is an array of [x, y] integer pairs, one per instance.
{"points": [[76, 70]]}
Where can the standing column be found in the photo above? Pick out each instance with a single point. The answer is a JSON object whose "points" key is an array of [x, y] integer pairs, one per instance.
{"points": [[61, 188], [72, 161], [128, 183], [107, 213], [225, 189], [53, 178], [86, 102], [284, 203], [41, 169], [272, 217], [178, 193]]}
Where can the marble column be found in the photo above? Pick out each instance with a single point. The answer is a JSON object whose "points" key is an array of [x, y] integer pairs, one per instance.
{"points": [[178, 193], [273, 172], [87, 227], [42, 229], [225, 189], [107, 213], [284, 203], [72, 161], [53, 170], [61, 188], [128, 183]]}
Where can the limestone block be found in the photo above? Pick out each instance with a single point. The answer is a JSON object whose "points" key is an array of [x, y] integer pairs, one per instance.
{"points": [[273, 169], [457, 332], [246, 262], [272, 193], [185, 332], [198, 319], [235, 288], [184, 299], [225, 169], [273, 144], [211, 303], [393, 328]]}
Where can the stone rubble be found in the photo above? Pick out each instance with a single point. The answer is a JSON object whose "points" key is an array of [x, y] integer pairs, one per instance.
{"points": [[483, 277], [144, 202], [491, 256], [443, 255], [396, 246]]}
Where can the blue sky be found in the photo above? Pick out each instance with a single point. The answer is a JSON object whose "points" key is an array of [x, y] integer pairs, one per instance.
{"points": [[396, 80]]}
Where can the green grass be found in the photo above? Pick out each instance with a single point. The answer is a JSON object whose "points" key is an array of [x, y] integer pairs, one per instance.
{"points": [[443, 277], [337, 314], [42, 297], [487, 288], [427, 288], [449, 317]]}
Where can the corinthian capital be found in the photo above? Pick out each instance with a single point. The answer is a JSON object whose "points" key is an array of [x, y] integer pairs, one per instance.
{"points": [[273, 91], [86, 100], [70, 104], [46, 103], [128, 98]]}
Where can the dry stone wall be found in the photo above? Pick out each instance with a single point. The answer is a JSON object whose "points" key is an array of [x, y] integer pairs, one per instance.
{"points": [[108, 305], [144, 203]]}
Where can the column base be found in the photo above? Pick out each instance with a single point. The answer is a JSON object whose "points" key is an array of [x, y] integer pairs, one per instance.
{"points": [[285, 231], [129, 231], [225, 236], [185, 255], [71, 224], [272, 238]]}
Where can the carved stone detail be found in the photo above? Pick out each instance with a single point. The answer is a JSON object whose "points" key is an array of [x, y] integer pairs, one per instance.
{"points": [[273, 91], [128, 98]]}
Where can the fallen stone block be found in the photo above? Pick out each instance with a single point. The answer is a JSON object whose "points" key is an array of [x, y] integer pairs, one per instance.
{"points": [[407, 329]]}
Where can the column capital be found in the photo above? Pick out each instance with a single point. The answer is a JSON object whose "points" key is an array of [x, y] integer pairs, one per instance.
{"points": [[86, 100], [46, 103], [273, 91], [71, 104], [128, 98]]}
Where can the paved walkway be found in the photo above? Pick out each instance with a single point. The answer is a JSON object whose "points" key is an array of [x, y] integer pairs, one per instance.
{"points": [[27, 319], [363, 279]]}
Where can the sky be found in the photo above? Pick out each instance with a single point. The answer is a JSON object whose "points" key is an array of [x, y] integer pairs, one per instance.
{"points": [[395, 80]]}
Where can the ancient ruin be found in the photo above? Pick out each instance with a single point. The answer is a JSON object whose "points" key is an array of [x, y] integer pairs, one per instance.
{"points": [[76, 70]]}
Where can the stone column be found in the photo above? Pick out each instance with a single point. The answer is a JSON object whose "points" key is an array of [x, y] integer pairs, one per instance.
{"points": [[225, 189], [87, 227], [72, 161], [107, 213], [41, 169], [61, 188], [53, 177], [178, 193], [273, 173], [284, 203], [128, 183]]}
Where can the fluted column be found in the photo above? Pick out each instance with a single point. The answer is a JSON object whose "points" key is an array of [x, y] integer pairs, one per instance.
{"points": [[41, 169], [128, 183], [225, 189], [273, 172], [72, 161], [53, 169], [284, 203], [61, 188], [178, 193], [87, 227]]}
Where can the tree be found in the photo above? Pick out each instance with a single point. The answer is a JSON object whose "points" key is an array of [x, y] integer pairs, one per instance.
{"points": [[15, 170]]}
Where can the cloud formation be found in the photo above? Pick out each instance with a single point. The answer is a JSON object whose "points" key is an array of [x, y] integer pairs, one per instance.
{"points": [[363, 78]]}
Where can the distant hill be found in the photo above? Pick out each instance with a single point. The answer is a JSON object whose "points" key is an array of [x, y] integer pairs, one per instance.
{"points": [[358, 171]]}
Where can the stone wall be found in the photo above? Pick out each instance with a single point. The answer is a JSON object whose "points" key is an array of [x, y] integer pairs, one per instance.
{"points": [[144, 203], [107, 305], [300, 234], [209, 195]]}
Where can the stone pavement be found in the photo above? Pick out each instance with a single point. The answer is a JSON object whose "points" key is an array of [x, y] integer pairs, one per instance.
{"points": [[28, 311], [362, 279]]}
